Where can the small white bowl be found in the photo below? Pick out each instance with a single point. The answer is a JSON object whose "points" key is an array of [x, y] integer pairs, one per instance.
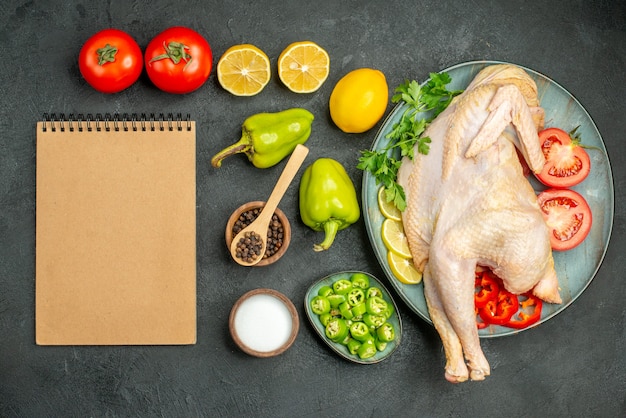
{"points": [[263, 323]]}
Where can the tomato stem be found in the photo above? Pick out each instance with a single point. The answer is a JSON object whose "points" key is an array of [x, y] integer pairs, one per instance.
{"points": [[106, 54], [176, 52]]}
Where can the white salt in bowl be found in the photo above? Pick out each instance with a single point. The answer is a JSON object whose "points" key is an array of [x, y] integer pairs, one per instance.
{"points": [[263, 323]]}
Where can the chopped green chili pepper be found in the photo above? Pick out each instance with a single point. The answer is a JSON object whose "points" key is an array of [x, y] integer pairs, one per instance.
{"points": [[337, 329], [360, 280], [360, 331], [355, 315], [359, 310], [353, 346], [380, 345], [336, 300], [356, 296], [320, 305], [324, 318], [376, 305], [373, 291], [373, 321], [367, 349], [386, 332], [325, 291], [390, 310], [346, 310], [342, 286]]}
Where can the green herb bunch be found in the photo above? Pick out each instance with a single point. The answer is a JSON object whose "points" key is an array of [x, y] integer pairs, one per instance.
{"points": [[405, 134]]}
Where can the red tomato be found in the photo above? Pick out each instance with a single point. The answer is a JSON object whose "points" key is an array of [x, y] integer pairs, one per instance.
{"points": [[110, 61], [178, 60], [567, 215], [567, 163]]}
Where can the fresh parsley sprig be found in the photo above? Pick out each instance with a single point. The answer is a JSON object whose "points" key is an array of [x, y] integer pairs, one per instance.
{"points": [[407, 132]]}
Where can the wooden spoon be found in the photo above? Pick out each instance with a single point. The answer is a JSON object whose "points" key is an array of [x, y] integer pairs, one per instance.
{"points": [[260, 225]]}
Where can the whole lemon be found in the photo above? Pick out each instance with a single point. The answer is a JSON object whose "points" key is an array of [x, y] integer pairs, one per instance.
{"points": [[359, 100]]}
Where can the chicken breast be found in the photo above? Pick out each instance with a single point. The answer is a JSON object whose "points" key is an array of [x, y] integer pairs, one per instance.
{"points": [[469, 204]]}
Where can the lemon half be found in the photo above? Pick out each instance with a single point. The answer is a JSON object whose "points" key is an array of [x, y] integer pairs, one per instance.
{"points": [[243, 70], [303, 66]]}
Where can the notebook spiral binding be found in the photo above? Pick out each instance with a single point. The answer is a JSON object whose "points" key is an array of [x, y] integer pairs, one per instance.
{"points": [[115, 122]]}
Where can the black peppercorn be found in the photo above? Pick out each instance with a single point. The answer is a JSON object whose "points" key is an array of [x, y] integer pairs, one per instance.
{"points": [[275, 234]]}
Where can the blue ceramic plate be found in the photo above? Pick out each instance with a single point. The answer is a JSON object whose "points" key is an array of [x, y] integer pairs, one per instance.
{"points": [[340, 348], [575, 268]]}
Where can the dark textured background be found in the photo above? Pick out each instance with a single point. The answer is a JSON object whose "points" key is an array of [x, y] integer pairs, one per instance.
{"points": [[573, 365]]}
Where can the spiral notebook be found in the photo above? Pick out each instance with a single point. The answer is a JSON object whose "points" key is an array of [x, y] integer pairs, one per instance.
{"points": [[115, 230]]}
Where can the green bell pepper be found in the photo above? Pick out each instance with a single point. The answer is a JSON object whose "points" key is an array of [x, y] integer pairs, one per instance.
{"points": [[267, 138], [328, 200]]}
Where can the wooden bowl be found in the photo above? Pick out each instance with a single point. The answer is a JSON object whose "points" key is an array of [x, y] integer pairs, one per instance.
{"points": [[263, 323], [283, 220]]}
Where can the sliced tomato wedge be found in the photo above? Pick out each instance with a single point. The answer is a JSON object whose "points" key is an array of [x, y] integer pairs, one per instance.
{"points": [[568, 216], [567, 163]]}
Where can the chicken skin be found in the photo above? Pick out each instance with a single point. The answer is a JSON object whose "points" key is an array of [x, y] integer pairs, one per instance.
{"points": [[469, 204]]}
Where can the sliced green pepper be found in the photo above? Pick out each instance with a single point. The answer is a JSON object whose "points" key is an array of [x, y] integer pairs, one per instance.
{"points": [[353, 346], [373, 291], [324, 318], [376, 305], [359, 310], [367, 349], [325, 291], [390, 310], [337, 329], [360, 280], [267, 138], [373, 321], [360, 331], [386, 332], [346, 310], [336, 300], [356, 296], [320, 305], [328, 200], [342, 286], [380, 345]]}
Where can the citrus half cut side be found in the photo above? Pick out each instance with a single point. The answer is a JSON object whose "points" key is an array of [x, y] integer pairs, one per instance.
{"points": [[303, 66], [243, 70]]}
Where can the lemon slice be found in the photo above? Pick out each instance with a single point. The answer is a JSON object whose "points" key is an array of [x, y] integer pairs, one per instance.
{"points": [[388, 209], [243, 70], [394, 238], [303, 67], [403, 269]]}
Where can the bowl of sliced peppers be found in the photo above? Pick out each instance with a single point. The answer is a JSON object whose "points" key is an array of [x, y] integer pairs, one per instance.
{"points": [[354, 314]]}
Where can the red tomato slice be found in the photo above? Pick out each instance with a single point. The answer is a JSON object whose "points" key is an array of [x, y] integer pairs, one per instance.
{"points": [[567, 163], [568, 216], [110, 61], [178, 60]]}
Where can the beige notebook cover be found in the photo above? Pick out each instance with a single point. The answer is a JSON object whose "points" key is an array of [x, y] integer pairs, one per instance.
{"points": [[116, 233]]}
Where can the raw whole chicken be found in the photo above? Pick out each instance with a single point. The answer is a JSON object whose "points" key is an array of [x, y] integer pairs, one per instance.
{"points": [[469, 205]]}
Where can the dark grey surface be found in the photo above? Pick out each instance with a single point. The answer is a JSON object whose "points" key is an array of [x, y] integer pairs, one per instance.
{"points": [[573, 365]]}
